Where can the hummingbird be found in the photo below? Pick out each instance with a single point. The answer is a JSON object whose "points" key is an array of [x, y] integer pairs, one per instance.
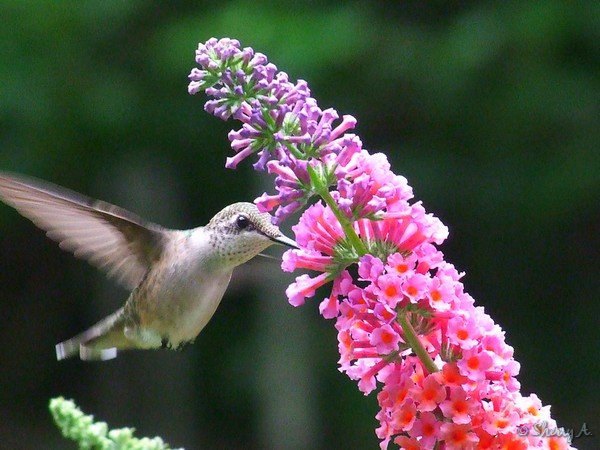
{"points": [[177, 278]]}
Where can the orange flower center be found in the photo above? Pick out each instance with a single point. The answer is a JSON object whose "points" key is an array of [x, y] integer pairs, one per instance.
{"points": [[400, 396], [428, 429], [428, 394], [555, 443], [458, 435], [406, 417], [517, 444], [386, 314], [501, 423], [387, 338], [451, 377], [473, 363], [460, 406], [462, 334], [391, 291]]}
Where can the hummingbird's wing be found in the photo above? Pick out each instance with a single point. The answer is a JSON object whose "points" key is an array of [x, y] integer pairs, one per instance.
{"points": [[109, 237]]}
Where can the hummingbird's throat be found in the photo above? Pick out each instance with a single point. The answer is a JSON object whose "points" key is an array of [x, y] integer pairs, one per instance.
{"points": [[238, 249]]}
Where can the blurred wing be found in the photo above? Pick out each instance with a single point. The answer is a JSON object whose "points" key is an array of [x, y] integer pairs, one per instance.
{"points": [[109, 237]]}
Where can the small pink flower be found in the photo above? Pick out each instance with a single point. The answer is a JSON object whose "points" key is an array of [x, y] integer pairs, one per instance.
{"points": [[407, 443], [458, 437], [415, 287], [532, 405], [505, 375], [329, 307], [401, 265], [511, 442], [404, 417], [384, 313], [304, 287], [474, 364], [305, 259], [500, 420], [458, 408], [385, 339], [370, 267], [440, 293], [430, 394], [427, 428], [389, 288], [450, 375], [397, 387], [384, 431], [463, 332], [365, 370], [556, 443]]}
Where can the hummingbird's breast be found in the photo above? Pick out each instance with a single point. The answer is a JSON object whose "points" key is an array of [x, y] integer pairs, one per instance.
{"points": [[182, 292]]}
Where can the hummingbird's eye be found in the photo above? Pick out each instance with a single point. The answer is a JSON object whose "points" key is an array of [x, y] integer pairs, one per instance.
{"points": [[242, 222]]}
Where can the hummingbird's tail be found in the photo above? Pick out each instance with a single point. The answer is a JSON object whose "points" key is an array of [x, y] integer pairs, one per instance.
{"points": [[98, 343]]}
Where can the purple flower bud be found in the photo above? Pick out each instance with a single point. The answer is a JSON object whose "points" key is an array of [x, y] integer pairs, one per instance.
{"points": [[247, 54], [194, 87], [197, 74], [232, 162], [258, 60]]}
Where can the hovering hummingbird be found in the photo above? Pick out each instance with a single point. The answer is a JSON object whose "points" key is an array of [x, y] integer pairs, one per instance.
{"points": [[177, 277]]}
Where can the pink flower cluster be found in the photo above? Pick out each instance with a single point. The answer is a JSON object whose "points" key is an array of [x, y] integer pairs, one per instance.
{"points": [[405, 325], [473, 399]]}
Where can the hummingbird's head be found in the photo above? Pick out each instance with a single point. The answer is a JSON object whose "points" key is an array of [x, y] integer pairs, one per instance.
{"points": [[240, 232]]}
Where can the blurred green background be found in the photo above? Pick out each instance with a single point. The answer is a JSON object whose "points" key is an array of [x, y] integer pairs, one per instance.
{"points": [[490, 109]]}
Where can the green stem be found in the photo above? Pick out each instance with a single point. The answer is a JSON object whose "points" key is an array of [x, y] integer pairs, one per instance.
{"points": [[411, 338], [294, 151], [356, 242]]}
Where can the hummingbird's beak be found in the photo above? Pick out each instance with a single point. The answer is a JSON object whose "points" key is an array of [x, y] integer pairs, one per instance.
{"points": [[283, 240]]}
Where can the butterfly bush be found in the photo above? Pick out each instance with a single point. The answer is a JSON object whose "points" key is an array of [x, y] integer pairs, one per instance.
{"points": [[444, 374]]}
